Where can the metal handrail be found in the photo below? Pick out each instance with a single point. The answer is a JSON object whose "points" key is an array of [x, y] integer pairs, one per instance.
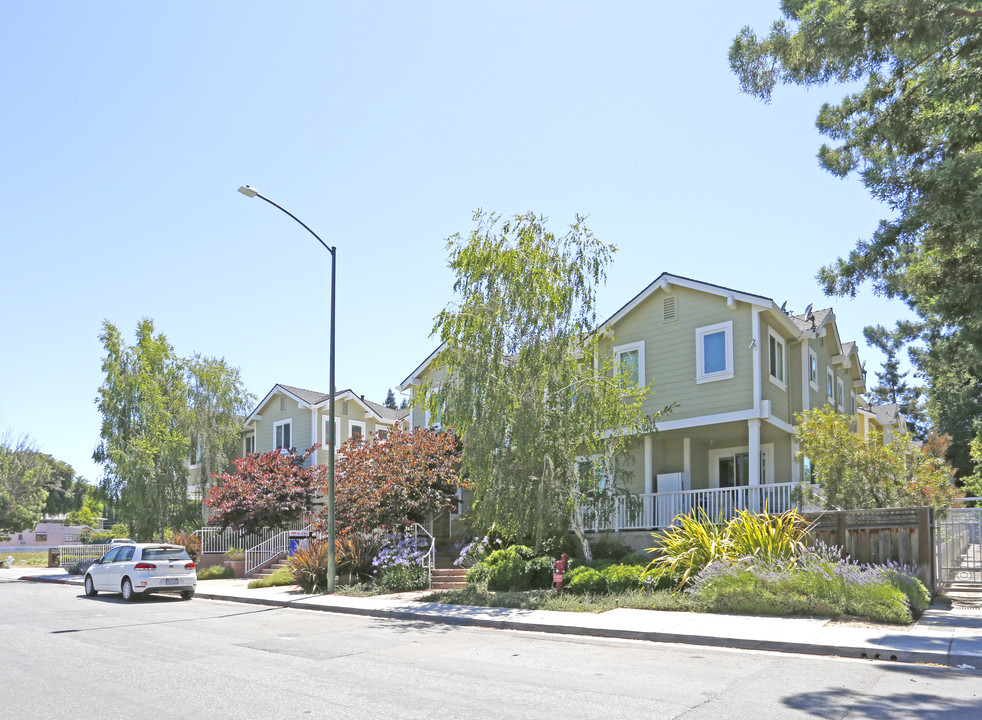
{"points": [[267, 551], [429, 559]]}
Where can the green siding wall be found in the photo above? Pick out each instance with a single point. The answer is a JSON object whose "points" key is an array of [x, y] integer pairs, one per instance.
{"points": [[670, 353]]}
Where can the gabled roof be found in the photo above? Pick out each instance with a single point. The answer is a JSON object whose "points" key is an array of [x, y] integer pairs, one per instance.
{"points": [[813, 321], [414, 376], [315, 399], [794, 324], [665, 280], [886, 415]]}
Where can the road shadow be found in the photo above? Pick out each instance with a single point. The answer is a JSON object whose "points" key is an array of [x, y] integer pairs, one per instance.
{"points": [[836, 703]]}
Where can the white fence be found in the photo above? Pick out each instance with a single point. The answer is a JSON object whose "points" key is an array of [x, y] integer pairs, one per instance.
{"points": [[69, 555], [218, 541], [652, 511]]}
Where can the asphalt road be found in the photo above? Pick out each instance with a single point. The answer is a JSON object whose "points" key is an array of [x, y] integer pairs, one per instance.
{"points": [[67, 656]]}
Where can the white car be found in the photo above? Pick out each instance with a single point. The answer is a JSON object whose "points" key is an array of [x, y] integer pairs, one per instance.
{"points": [[141, 569]]}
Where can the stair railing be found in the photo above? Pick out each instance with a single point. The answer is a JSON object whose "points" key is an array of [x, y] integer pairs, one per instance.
{"points": [[269, 549], [429, 558]]}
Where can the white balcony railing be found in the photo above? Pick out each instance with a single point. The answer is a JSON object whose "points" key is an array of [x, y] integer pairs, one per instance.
{"points": [[657, 510]]}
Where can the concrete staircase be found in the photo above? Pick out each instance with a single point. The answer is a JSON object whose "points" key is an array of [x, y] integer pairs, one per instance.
{"points": [[446, 576], [267, 570]]}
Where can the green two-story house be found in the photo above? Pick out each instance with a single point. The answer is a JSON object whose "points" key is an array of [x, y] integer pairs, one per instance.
{"points": [[735, 367]]}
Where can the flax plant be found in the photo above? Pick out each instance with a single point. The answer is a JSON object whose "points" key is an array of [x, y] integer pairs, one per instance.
{"points": [[697, 540]]}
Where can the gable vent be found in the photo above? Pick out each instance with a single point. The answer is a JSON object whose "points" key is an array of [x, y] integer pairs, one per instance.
{"points": [[282, 404], [344, 407], [670, 310]]}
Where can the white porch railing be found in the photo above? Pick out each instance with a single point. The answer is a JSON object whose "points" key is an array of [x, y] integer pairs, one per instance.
{"points": [[652, 511]]}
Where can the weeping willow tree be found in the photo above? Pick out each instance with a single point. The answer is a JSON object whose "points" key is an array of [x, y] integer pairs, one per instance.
{"points": [[160, 414], [542, 412]]}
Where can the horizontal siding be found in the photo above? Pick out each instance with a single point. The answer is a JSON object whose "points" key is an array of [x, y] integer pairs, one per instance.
{"points": [[670, 353]]}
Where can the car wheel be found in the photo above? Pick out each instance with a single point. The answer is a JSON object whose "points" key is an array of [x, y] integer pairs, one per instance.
{"points": [[127, 590], [90, 587], [187, 594]]}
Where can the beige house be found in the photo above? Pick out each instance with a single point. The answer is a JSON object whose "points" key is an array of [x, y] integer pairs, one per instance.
{"points": [[737, 367], [291, 417]]}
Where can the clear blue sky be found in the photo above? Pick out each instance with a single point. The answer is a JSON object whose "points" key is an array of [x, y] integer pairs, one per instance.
{"points": [[127, 127]]}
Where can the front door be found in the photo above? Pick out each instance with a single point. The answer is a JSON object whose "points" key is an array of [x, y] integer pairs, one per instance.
{"points": [[734, 470]]}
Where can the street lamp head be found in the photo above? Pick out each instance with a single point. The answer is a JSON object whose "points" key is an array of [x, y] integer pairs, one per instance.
{"points": [[248, 191]]}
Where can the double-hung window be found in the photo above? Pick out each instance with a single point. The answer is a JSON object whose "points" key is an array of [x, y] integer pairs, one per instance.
{"points": [[830, 387], [630, 362], [356, 428], [249, 445], [775, 355], [813, 369], [282, 432], [714, 352], [840, 399], [326, 432]]}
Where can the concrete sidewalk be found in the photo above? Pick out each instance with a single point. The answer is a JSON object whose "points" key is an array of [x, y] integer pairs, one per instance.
{"points": [[941, 636]]}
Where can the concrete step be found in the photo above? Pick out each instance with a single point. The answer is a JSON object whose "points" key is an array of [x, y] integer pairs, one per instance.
{"points": [[449, 573], [446, 585]]}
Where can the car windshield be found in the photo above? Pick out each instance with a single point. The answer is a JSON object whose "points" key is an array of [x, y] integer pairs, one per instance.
{"points": [[165, 553]]}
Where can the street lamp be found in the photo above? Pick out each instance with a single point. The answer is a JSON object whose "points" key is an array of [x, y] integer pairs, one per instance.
{"points": [[252, 192]]}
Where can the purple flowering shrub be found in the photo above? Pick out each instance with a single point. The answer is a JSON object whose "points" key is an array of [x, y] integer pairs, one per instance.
{"points": [[401, 549], [820, 584], [477, 550]]}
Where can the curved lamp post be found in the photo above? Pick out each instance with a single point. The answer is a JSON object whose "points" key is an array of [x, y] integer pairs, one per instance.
{"points": [[331, 571]]}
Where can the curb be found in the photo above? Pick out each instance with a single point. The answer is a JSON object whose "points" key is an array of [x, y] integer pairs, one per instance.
{"points": [[872, 653], [867, 653]]}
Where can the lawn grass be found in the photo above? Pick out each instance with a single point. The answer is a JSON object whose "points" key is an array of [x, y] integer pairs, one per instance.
{"points": [[281, 577], [568, 602], [28, 559], [216, 572]]}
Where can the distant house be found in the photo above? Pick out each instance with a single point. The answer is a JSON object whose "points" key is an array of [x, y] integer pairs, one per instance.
{"points": [[50, 532], [737, 366], [886, 418]]}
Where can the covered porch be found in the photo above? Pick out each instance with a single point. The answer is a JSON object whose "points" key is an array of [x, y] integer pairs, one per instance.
{"points": [[719, 463]]}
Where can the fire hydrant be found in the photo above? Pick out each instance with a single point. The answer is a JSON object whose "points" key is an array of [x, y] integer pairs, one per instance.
{"points": [[561, 566], [9, 562]]}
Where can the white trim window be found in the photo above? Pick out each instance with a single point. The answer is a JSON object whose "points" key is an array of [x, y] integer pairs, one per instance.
{"points": [[830, 384], [249, 445], [356, 428], [714, 352], [283, 434], [840, 394], [775, 359], [813, 369], [326, 431], [630, 360]]}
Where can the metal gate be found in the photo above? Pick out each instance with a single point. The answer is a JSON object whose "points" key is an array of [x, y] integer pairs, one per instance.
{"points": [[958, 554]]}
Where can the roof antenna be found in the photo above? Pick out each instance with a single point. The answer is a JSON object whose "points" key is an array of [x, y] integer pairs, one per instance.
{"points": [[809, 315], [784, 307]]}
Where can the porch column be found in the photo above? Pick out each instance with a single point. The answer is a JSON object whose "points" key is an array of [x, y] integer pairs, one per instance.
{"points": [[754, 428], [753, 496], [687, 460], [649, 480]]}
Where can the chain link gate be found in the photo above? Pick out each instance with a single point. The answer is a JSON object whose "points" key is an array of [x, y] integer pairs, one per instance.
{"points": [[958, 551]]}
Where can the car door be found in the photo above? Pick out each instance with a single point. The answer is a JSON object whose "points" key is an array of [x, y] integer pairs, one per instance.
{"points": [[100, 570], [120, 565]]}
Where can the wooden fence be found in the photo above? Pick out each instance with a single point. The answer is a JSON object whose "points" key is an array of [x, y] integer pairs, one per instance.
{"points": [[902, 535]]}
